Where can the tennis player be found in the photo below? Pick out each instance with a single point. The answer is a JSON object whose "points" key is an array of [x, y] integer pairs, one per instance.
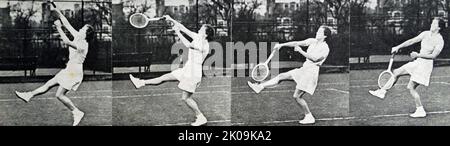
{"points": [[71, 77], [190, 75], [307, 76], [420, 69]]}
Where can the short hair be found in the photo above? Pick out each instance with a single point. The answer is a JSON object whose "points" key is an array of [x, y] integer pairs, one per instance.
{"points": [[89, 32], [209, 32]]}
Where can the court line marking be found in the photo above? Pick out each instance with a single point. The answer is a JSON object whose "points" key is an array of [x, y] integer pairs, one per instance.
{"points": [[52, 98], [54, 92], [347, 118], [179, 124], [402, 84], [367, 80], [289, 85], [168, 88], [165, 94], [287, 91]]}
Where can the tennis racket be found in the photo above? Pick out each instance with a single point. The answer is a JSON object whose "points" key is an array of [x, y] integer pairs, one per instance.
{"points": [[54, 6], [140, 20], [261, 71], [386, 75]]}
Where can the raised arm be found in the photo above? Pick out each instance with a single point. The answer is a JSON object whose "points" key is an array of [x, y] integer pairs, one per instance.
{"points": [[408, 42], [183, 39], [63, 35], [64, 20], [181, 27]]}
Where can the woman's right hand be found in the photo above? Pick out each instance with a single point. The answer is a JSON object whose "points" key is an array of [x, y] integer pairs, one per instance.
{"points": [[57, 23], [168, 18]]}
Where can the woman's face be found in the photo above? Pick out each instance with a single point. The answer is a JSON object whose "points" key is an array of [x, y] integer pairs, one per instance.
{"points": [[202, 30], [435, 25], [83, 31], [320, 33]]}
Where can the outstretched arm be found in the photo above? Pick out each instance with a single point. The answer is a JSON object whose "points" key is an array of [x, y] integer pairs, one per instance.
{"points": [[183, 39], [181, 27], [408, 43], [293, 44], [64, 20]]}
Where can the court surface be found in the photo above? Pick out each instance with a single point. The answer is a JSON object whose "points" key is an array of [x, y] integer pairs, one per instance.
{"points": [[276, 107], [161, 105], [92, 97], [398, 103]]}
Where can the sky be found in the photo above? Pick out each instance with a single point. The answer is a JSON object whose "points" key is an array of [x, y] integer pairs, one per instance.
{"points": [[37, 6]]}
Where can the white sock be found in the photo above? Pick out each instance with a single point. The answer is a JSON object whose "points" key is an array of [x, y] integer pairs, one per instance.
{"points": [[420, 108], [75, 110]]}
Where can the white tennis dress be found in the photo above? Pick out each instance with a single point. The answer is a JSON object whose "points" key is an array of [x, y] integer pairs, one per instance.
{"points": [[70, 78], [307, 76], [421, 68], [190, 75]]}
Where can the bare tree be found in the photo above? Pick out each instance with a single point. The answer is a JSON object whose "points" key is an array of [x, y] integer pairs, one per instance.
{"points": [[246, 10], [339, 9]]}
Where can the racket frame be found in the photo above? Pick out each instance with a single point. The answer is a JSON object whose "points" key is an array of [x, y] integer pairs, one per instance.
{"points": [[146, 19], [389, 70], [265, 64]]}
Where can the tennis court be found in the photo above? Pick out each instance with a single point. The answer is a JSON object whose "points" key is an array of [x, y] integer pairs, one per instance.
{"points": [[276, 107], [92, 97], [162, 105], [398, 103]]}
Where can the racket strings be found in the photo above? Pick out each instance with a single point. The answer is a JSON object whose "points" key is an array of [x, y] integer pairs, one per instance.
{"points": [[260, 72], [138, 20], [384, 78]]}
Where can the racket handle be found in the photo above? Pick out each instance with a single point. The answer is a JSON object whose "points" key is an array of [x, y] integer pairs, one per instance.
{"points": [[270, 57], [53, 4], [156, 19], [391, 61]]}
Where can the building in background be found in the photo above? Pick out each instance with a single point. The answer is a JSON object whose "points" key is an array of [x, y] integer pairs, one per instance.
{"points": [[5, 19]]}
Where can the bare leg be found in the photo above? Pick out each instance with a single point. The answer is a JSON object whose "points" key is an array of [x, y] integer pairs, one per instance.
{"points": [[159, 80], [309, 118], [298, 95], [412, 86], [274, 81], [61, 95], [186, 97], [397, 73], [44, 88]]}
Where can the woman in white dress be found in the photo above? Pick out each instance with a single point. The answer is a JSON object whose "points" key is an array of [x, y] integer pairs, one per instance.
{"points": [[306, 76], [71, 77], [190, 75], [431, 45]]}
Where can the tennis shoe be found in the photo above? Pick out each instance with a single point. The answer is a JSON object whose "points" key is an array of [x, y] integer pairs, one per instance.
{"points": [[419, 113], [201, 120], [380, 93], [257, 88], [136, 82], [77, 116], [308, 119], [25, 96]]}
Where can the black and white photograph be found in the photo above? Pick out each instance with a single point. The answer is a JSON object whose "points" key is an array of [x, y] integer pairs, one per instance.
{"points": [[168, 62], [224, 63], [55, 62], [399, 61], [292, 63]]}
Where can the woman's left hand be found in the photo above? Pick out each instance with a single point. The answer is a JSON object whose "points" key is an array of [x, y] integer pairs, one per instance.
{"points": [[414, 55]]}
